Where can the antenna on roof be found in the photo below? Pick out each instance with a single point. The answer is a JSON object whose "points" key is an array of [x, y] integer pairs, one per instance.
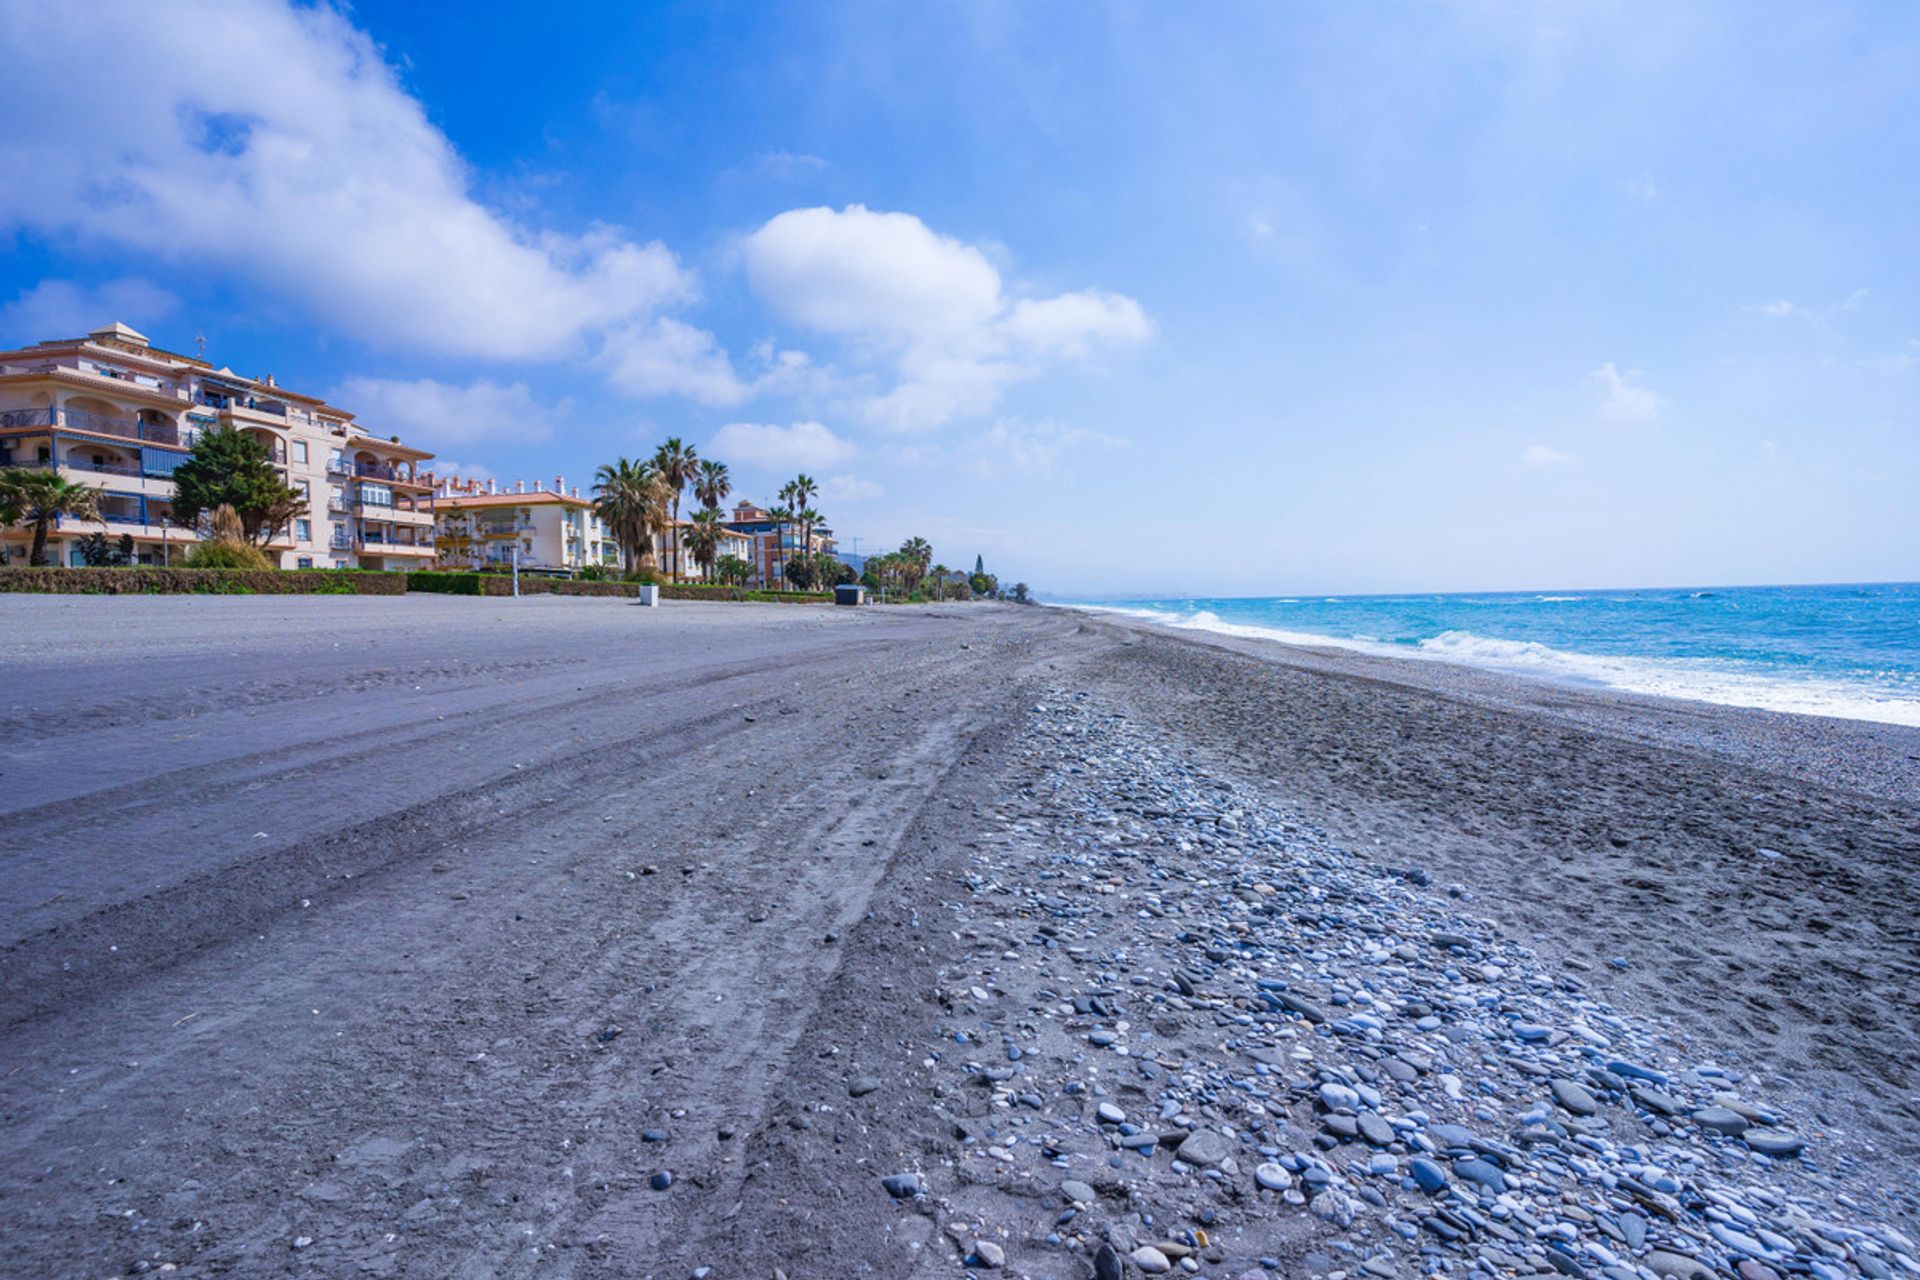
{"points": [[200, 342]]}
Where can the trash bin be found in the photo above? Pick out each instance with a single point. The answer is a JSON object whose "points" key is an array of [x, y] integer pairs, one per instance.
{"points": [[849, 593], [649, 595]]}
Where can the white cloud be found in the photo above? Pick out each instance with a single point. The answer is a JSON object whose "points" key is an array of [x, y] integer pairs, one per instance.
{"points": [[1541, 456], [848, 488], [804, 444], [274, 142], [465, 470], [428, 413], [1622, 398], [1014, 446], [935, 306], [1778, 309], [64, 309], [669, 357], [1073, 323]]}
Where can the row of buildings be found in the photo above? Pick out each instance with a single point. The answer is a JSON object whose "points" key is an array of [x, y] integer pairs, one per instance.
{"points": [[113, 411]]}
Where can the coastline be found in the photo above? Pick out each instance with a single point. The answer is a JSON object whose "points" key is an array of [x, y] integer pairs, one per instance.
{"points": [[1755, 869], [434, 957]]}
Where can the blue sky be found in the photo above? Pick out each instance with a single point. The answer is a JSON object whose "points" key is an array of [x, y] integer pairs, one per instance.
{"points": [[1232, 299]]}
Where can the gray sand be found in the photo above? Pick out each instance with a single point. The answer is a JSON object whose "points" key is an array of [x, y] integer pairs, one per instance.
{"points": [[411, 937]]}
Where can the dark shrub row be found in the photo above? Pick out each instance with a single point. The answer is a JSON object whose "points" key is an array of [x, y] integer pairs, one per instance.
{"points": [[690, 591], [157, 581], [167, 581]]}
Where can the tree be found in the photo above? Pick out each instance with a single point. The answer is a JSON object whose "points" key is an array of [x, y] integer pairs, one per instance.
{"points": [[677, 464], [918, 555], [733, 571], [230, 468], [226, 546], [713, 484], [41, 497], [703, 537], [781, 517], [631, 500], [1020, 595], [97, 553], [983, 584], [800, 492]]}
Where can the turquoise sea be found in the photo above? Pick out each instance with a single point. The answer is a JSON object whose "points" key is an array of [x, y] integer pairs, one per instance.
{"points": [[1851, 651]]}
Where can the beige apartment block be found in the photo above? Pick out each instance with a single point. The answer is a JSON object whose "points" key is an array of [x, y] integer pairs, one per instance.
{"points": [[555, 530], [113, 411]]}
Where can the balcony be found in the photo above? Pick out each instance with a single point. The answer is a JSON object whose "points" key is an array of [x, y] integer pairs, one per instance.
{"points": [[384, 471], [94, 423]]}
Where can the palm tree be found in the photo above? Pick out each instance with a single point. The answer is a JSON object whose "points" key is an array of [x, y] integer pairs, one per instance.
{"points": [[703, 538], [631, 500], [713, 484], [918, 554], [678, 464], [804, 492], [42, 497], [781, 517]]}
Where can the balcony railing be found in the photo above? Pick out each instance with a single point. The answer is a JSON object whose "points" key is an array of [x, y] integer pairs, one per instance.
{"points": [[339, 467], [383, 471], [104, 468], [97, 423]]}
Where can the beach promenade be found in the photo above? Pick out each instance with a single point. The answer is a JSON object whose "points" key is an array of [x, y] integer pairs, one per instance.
{"points": [[558, 937]]}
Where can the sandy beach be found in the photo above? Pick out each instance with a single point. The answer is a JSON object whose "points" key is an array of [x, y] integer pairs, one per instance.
{"points": [[434, 936]]}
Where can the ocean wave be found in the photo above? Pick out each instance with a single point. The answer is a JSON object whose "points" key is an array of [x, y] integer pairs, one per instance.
{"points": [[1555, 599], [1659, 677]]}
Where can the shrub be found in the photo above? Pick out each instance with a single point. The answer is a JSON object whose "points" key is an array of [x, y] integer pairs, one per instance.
{"points": [[154, 580], [445, 583], [228, 555]]}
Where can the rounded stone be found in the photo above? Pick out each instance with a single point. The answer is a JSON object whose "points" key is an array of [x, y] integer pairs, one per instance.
{"points": [[1150, 1260], [1273, 1177], [1427, 1175]]}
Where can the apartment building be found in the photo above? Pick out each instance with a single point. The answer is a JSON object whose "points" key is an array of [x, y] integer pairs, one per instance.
{"points": [[773, 543], [554, 529], [732, 543], [113, 411]]}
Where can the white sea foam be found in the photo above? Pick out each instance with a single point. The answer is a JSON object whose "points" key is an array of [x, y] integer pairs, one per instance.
{"points": [[1661, 677]]}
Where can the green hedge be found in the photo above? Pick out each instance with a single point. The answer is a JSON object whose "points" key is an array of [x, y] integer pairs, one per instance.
{"points": [[691, 591], [530, 586], [159, 581], [452, 584], [460, 583], [167, 581]]}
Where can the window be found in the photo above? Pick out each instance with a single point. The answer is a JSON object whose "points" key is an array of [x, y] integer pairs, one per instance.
{"points": [[304, 562], [305, 486], [338, 563], [300, 451], [303, 531]]}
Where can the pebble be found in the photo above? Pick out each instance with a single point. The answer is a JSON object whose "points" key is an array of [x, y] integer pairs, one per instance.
{"points": [[1573, 1097], [1287, 1018], [660, 1181], [1775, 1142], [861, 1086], [989, 1255], [1273, 1177], [1204, 1147], [1721, 1120], [1150, 1260]]}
